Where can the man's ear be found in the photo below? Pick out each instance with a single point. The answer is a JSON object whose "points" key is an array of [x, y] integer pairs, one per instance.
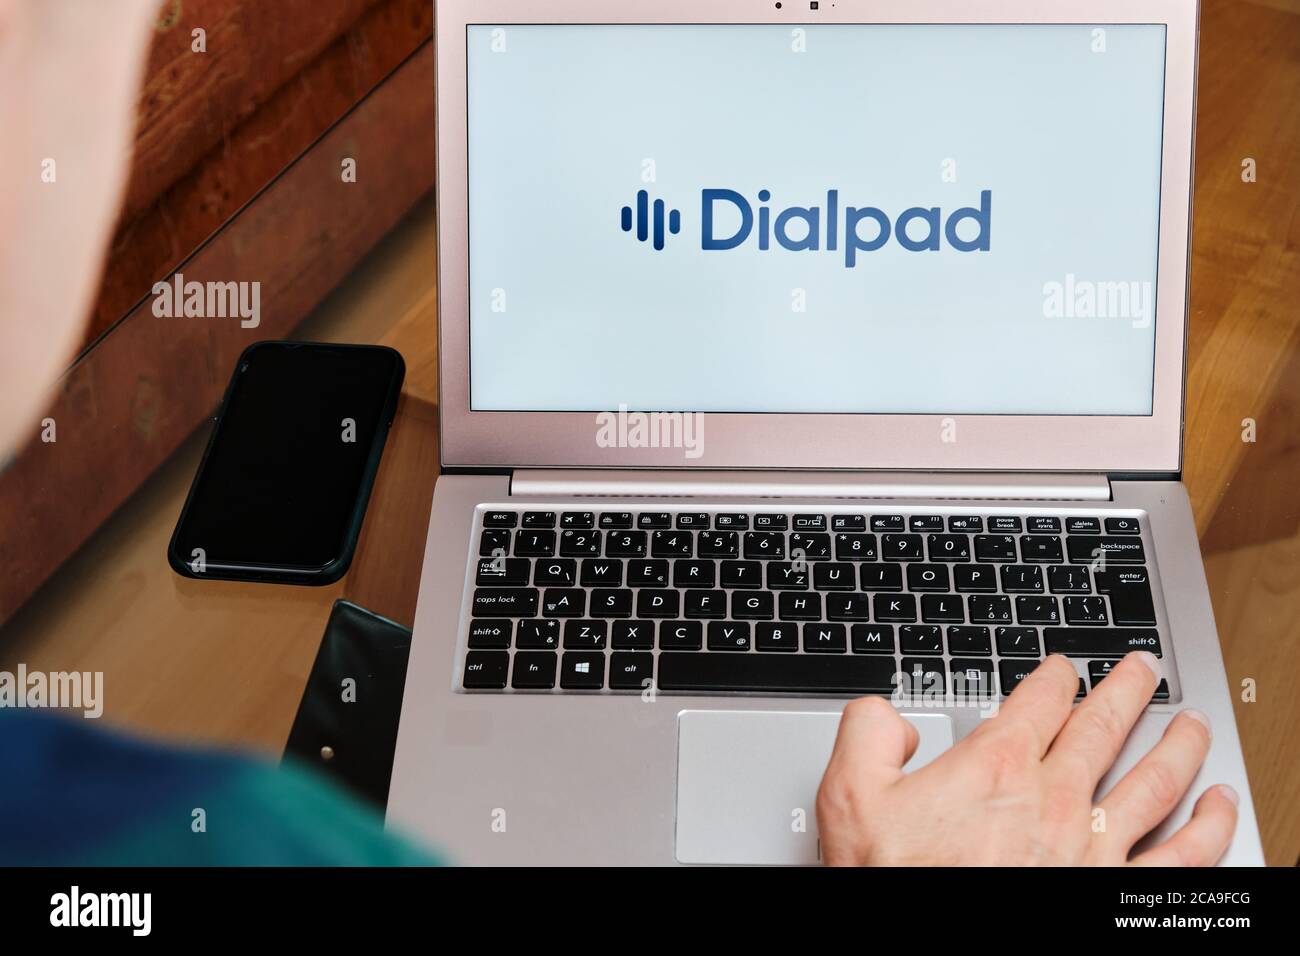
{"points": [[70, 73]]}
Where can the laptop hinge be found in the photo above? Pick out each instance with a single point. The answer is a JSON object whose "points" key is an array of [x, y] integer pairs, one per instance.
{"points": [[810, 484]]}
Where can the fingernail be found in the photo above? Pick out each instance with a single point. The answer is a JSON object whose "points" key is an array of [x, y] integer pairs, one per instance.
{"points": [[1229, 794], [1200, 718], [1151, 661]]}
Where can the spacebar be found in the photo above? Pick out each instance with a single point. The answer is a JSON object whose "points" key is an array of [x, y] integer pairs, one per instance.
{"points": [[789, 673]]}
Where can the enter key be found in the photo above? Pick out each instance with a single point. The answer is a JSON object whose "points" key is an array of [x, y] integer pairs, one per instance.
{"points": [[1129, 591]]}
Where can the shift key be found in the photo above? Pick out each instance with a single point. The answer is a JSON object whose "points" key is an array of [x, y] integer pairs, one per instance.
{"points": [[505, 602], [1100, 642]]}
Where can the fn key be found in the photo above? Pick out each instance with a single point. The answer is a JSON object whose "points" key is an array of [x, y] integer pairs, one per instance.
{"points": [[486, 670]]}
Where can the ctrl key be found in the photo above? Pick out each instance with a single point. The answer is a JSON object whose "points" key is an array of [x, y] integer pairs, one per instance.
{"points": [[486, 670]]}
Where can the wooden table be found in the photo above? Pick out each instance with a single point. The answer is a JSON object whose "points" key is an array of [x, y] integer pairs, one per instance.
{"points": [[226, 663]]}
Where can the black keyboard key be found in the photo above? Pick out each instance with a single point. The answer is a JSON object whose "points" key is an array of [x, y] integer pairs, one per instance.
{"points": [[895, 608], [564, 602], [968, 640], [728, 636], [672, 544], [1086, 550], [920, 639], [995, 547], [835, 577], [505, 602], [824, 639], [693, 520], [1099, 669], [654, 519], [611, 602], [647, 574], [1005, 523], [631, 671], [972, 678], [1162, 691], [731, 521], [873, 638], [1042, 525], [848, 522], [601, 573], [808, 523], [582, 671], [969, 523], [881, 577], [855, 547], [887, 523], [785, 576], [616, 520], [695, 574], [771, 522], [499, 519], [761, 545], [719, 544], [922, 677], [1017, 641], [974, 577], [1013, 672], [811, 546], [706, 604], [503, 572], [942, 609], [539, 519], [1086, 610], [1100, 641], [486, 670], [490, 634], [538, 635], [1022, 579], [752, 605], [1129, 590], [578, 520], [1040, 548], [742, 574], [901, 547], [800, 607], [653, 602], [847, 607], [585, 635], [625, 544], [949, 547], [556, 573], [1082, 526], [494, 543], [534, 544], [1071, 579], [769, 636], [1122, 526], [534, 670], [1038, 610], [924, 523], [632, 636], [681, 635], [927, 577], [797, 674], [989, 609]]}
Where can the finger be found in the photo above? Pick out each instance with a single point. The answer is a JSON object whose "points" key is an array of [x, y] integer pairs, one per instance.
{"points": [[873, 742], [1091, 739], [1149, 792], [1040, 704], [1202, 840]]}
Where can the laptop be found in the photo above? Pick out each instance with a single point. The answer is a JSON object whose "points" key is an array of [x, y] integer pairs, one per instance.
{"points": [[792, 352]]}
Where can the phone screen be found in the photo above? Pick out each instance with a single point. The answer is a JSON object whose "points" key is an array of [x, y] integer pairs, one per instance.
{"points": [[294, 451]]}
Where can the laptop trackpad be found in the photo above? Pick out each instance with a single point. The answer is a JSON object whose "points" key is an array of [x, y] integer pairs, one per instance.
{"points": [[747, 781]]}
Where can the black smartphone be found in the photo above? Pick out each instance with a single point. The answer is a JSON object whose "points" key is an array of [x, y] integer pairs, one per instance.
{"points": [[282, 489]]}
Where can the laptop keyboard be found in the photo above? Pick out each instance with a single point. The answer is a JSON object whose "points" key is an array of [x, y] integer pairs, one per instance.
{"points": [[766, 602]]}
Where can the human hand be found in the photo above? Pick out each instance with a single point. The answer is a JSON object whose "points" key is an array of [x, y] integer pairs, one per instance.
{"points": [[1019, 790]]}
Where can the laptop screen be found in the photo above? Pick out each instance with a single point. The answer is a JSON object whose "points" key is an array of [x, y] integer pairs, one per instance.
{"points": [[929, 219]]}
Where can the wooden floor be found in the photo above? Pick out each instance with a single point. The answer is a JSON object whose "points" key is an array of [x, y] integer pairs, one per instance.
{"points": [[226, 663]]}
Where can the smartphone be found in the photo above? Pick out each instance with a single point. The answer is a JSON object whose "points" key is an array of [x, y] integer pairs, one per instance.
{"points": [[282, 489]]}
